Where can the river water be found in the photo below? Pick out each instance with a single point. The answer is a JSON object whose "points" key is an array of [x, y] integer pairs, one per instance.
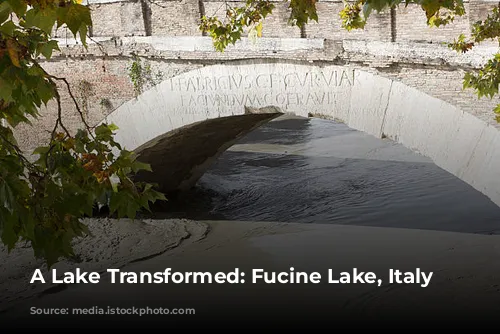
{"points": [[318, 171]]}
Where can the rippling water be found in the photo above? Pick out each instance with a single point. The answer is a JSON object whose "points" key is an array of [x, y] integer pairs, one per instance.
{"points": [[319, 171]]}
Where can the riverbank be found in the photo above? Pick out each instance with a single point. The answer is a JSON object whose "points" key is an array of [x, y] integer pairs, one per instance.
{"points": [[112, 244], [465, 267]]}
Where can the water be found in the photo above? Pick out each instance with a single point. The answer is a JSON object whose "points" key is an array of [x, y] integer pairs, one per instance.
{"points": [[319, 171]]}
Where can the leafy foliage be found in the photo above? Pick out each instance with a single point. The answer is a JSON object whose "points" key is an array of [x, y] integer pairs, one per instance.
{"points": [[352, 16], [142, 75], [44, 200], [437, 12], [237, 19], [355, 14], [485, 81]]}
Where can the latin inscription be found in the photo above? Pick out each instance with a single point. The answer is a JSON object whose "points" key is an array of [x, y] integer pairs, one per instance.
{"points": [[254, 99], [260, 89]]}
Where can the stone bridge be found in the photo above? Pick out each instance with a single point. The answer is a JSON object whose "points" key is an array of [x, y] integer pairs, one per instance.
{"points": [[182, 124], [179, 103]]}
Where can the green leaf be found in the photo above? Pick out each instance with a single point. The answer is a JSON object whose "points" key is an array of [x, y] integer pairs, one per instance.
{"points": [[132, 209], [18, 6], [44, 19], [113, 127], [83, 34], [74, 16], [5, 90], [29, 223], [116, 201], [45, 91], [41, 150], [35, 71], [5, 11], [137, 166], [8, 28], [47, 48], [157, 196], [9, 236], [259, 29], [431, 7], [14, 52], [115, 181], [367, 9], [497, 109], [73, 204], [7, 197], [103, 131]]}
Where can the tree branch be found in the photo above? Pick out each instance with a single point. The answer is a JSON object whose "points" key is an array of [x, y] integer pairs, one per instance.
{"points": [[25, 162]]}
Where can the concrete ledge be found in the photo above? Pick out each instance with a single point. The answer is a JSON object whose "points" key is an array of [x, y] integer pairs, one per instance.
{"points": [[204, 44], [377, 53], [437, 53]]}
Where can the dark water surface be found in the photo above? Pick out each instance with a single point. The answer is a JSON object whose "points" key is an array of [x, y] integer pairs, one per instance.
{"points": [[318, 171]]}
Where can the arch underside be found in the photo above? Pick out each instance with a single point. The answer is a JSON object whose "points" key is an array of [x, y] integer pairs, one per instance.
{"points": [[180, 157], [183, 124]]}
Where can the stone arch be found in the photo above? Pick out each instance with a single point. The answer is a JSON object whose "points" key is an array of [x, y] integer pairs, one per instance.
{"points": [[215, 97]]}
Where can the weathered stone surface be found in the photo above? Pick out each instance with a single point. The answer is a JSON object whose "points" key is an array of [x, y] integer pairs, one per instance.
{"points": [[181, 18], [329, 24], [221, 90], [174, 18], [432, 68], [275, 25], [411, 25], [263, 110], [181, 124], [113, 243], [180, 157]]}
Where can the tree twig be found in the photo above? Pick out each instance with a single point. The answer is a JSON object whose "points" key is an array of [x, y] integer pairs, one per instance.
{"points": [[22, 158], [70, 92], [99, 44], [73, 98]]}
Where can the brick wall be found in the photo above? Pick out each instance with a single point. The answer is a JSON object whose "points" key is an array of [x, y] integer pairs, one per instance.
{"points": [[123, 18], [174, 17], [479, 9], [275, 25], [329, 24], [411, 26], [444, 84], [181, 18], [99, 85]]}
